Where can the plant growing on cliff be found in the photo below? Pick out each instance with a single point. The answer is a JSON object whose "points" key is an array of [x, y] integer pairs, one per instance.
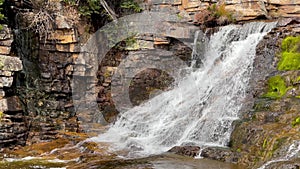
{"points": [[41, 18], [290, 55], [90, 7], [222, 15], [131, 5], [214, 15]]}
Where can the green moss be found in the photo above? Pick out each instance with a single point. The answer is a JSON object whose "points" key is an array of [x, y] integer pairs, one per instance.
{"points": [[289, 61], [296, 121], [291, 44], [276, 87], [290, 55]]}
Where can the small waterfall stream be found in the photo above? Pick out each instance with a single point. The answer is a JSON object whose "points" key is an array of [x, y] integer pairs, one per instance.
{"points": [[201, 108]]}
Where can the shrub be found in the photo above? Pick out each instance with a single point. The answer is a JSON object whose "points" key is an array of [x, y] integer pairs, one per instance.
{"points": [[222, 15], [90, 7], [214, 15], [131, 5]]}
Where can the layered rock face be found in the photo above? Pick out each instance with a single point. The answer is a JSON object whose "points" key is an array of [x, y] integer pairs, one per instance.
{"points": [[45, 82], [13, 126], [242, 10]]}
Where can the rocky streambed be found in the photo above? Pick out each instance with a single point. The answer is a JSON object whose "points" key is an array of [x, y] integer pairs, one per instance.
{"points": [[71, 151]]}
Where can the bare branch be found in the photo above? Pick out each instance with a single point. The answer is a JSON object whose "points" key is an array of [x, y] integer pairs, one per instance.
{"points": [[110, 12]]}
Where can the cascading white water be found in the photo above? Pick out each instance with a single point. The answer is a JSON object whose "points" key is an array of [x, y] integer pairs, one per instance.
{"points": [[201, 108]]}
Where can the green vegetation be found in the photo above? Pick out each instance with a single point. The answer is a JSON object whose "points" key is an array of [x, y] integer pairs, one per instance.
{"points": [[296, 121], [276, 87], [131, 5], [132, 43], [2, 17], [1, 9], [220, 11], [290, 55], [86, 8], [91, 7]]}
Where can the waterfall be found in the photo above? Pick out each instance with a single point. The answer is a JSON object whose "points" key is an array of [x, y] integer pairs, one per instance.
{"points": [[201, 108]]}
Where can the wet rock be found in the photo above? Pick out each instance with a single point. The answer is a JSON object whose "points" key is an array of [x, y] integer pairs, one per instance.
{"points": [[191, 151]]}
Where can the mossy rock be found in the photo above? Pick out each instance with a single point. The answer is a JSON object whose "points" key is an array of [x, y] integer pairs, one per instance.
{"points": [[290, 55], [276, 87]]}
